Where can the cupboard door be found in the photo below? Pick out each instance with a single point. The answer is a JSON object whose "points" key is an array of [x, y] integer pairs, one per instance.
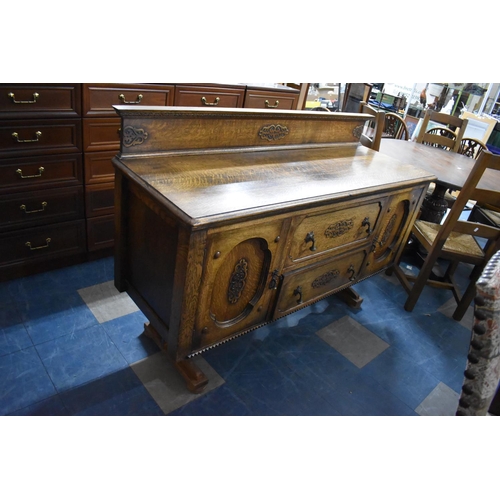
{"points": [[239, 282]]}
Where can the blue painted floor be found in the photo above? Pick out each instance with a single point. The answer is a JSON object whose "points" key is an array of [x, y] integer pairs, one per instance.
{"points": [[70, 344]]}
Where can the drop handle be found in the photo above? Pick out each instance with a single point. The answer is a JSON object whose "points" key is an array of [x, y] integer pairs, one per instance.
{"points": [[351, 270], [12, 96], [298, 291], [366, 222], [206, 103], [137, 101], [275, 277], [275, 105], [310, 238]]}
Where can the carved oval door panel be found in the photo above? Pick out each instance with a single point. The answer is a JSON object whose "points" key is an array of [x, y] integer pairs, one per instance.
{"points": [[237, 286], [317, 234]]}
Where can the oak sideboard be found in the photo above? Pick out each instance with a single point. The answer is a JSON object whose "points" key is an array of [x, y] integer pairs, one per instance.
{"points": [[228, 219]]}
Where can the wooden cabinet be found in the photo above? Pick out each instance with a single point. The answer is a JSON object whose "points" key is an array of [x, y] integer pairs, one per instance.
{"points": [[222, 96], [241, 217], [271, 97], [41, 177]]}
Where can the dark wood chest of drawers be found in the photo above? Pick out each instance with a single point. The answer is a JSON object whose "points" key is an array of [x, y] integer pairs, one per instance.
{"points": [[229, 219]]}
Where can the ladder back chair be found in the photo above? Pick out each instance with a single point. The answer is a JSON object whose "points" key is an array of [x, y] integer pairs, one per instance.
{"points": [[455, 241], [372, 132], [450, 122]]}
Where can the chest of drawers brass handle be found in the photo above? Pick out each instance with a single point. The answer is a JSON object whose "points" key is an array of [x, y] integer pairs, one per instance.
{"points": [[38, 134], [47, 241], [20, 173], [137, 101], [44, 205], [270, 105], [36, 95], [205, 103]]}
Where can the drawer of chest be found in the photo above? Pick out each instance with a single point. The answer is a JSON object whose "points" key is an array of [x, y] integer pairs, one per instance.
{"points": [[98, 99], [101, 134], [99, 167], [273, 100], [307, 285], [40, 207], [100, 232], [30, 100], [28, 174], [100, 199], [41, 243], [36, 137], [317, 234], [209, 96]]}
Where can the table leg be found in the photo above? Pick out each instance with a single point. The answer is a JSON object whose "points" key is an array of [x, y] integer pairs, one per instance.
{"points": [[434, 205], [350, 297]]}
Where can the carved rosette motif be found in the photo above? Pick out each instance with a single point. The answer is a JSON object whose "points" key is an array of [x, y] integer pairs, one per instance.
{"points": [[133, 136], [388, 230], [339, 228], [273, 132], [357, 131], [237, 282], [325, 278]]}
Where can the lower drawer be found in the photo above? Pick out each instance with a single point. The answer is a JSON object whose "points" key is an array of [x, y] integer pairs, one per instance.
{"points": [[310, 284], [100, 232], [100, 199], [34, 208], [42, 243], [99, 167]]}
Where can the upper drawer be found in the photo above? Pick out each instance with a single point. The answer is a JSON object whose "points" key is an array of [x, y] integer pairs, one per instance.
{"points": [[223, 97], [99, 98], [40, 173], [32, 100], [101, 134], [320, 233], [35, 137], [270, 99]]}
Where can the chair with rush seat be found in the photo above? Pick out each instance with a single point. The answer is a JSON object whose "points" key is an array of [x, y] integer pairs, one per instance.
{"points": [[456, 125], [372, 132], [455, 241]]}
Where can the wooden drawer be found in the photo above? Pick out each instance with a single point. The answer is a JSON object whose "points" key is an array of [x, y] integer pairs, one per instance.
{"points": [[42, 243], [99, 98], [33, 100], [100, 199], [34, 208], [318, 234], [101, 134], [99, 167], [40, 172], [100, 232], [223, 97], [270, 100], [36, 137], [307, 285]]}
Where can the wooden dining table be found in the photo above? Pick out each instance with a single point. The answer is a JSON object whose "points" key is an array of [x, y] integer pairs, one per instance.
{"points": [[451, 170]]}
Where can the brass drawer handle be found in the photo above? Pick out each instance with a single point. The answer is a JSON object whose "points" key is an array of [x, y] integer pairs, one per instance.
{"points": [[271, 106], [366, 222], [15, 135], [137, 101], [353, 272], [298, 291], [44, 205], [205, 103], [36, 95], [41, 170], [47, 241], [310, 238]]}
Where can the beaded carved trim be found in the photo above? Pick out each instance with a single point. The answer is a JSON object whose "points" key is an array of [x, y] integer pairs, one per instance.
{"points": [[273, 132], [339, 228], [237, 281], [133, 136], [325, 278]]}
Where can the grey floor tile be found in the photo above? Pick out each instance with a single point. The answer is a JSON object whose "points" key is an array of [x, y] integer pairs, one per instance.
{"points": [[106, 302], [442, 401], [166, 385], [352, 340]]}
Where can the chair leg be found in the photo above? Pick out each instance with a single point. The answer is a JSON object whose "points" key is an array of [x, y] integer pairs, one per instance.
{"points": [[468, 295]]}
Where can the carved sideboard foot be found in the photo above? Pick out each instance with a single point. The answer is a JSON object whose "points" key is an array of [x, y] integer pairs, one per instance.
{"points": [[195, 379], [350, 297]]}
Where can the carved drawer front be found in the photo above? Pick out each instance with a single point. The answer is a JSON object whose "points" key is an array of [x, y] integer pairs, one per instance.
{"points": [[100, 199], [99, 99], [102, 134], [238, 281], [30, 100], [36, 137], [99, 167], [310, 284], [40, 172], [390, 234], [270, 100], [325, 232], [41, 207], [100, 232], [42, 243], [199, 96]]}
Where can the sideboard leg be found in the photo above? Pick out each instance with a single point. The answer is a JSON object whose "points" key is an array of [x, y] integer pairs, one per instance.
{"points": [[195, 379], [350, 297]]}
